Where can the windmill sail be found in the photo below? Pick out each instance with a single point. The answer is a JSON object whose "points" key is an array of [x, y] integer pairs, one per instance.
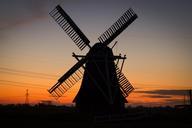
{"points": [[67, 24], [125, 85], [121, 24], [70, 78]]}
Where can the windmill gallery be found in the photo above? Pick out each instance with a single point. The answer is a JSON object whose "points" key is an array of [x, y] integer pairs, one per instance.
{"points": [[104, 87]]}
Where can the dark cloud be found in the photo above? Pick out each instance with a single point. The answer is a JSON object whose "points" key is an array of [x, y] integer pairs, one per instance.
{"points": [[165, 92], [174, 101], [169, 97], [158, 96], [16, 12]]}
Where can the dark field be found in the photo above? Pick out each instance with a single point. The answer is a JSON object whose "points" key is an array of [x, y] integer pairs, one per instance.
{"points": [[67, 117]]}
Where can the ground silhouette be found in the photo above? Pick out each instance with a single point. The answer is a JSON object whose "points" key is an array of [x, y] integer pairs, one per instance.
{"points": [[69, 117]]}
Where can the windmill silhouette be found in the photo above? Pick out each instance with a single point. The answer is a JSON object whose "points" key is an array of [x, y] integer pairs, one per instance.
{"points": [[104, 87]]}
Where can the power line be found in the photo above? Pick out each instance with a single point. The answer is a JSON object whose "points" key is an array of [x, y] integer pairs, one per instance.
{"points": [[20, 84], [27, 73]]}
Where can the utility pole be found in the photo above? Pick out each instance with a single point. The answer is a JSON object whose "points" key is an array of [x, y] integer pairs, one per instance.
{"points": [[190, 97], [27, 97]]}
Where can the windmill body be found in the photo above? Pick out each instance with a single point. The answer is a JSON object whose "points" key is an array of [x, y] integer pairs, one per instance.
{"points": [[100, 91], [104, 87]]}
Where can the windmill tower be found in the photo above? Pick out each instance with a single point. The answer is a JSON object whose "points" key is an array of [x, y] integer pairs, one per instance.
{"points": [[104, 87], [27, 97], [190, 96]]}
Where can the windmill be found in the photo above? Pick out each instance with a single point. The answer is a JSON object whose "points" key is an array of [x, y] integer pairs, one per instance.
{"points": [[104, 87]]}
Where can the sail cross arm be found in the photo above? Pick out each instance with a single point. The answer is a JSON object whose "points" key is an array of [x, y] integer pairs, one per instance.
{"points": [[125, 85], [70, 78], [68, 25], [119, 26]]}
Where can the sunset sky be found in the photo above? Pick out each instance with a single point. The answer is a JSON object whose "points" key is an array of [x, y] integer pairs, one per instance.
{"points": [[35, 51]]}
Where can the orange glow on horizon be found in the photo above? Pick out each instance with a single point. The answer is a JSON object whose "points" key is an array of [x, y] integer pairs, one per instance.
{"points": [[35, 52], [16, 94]]}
